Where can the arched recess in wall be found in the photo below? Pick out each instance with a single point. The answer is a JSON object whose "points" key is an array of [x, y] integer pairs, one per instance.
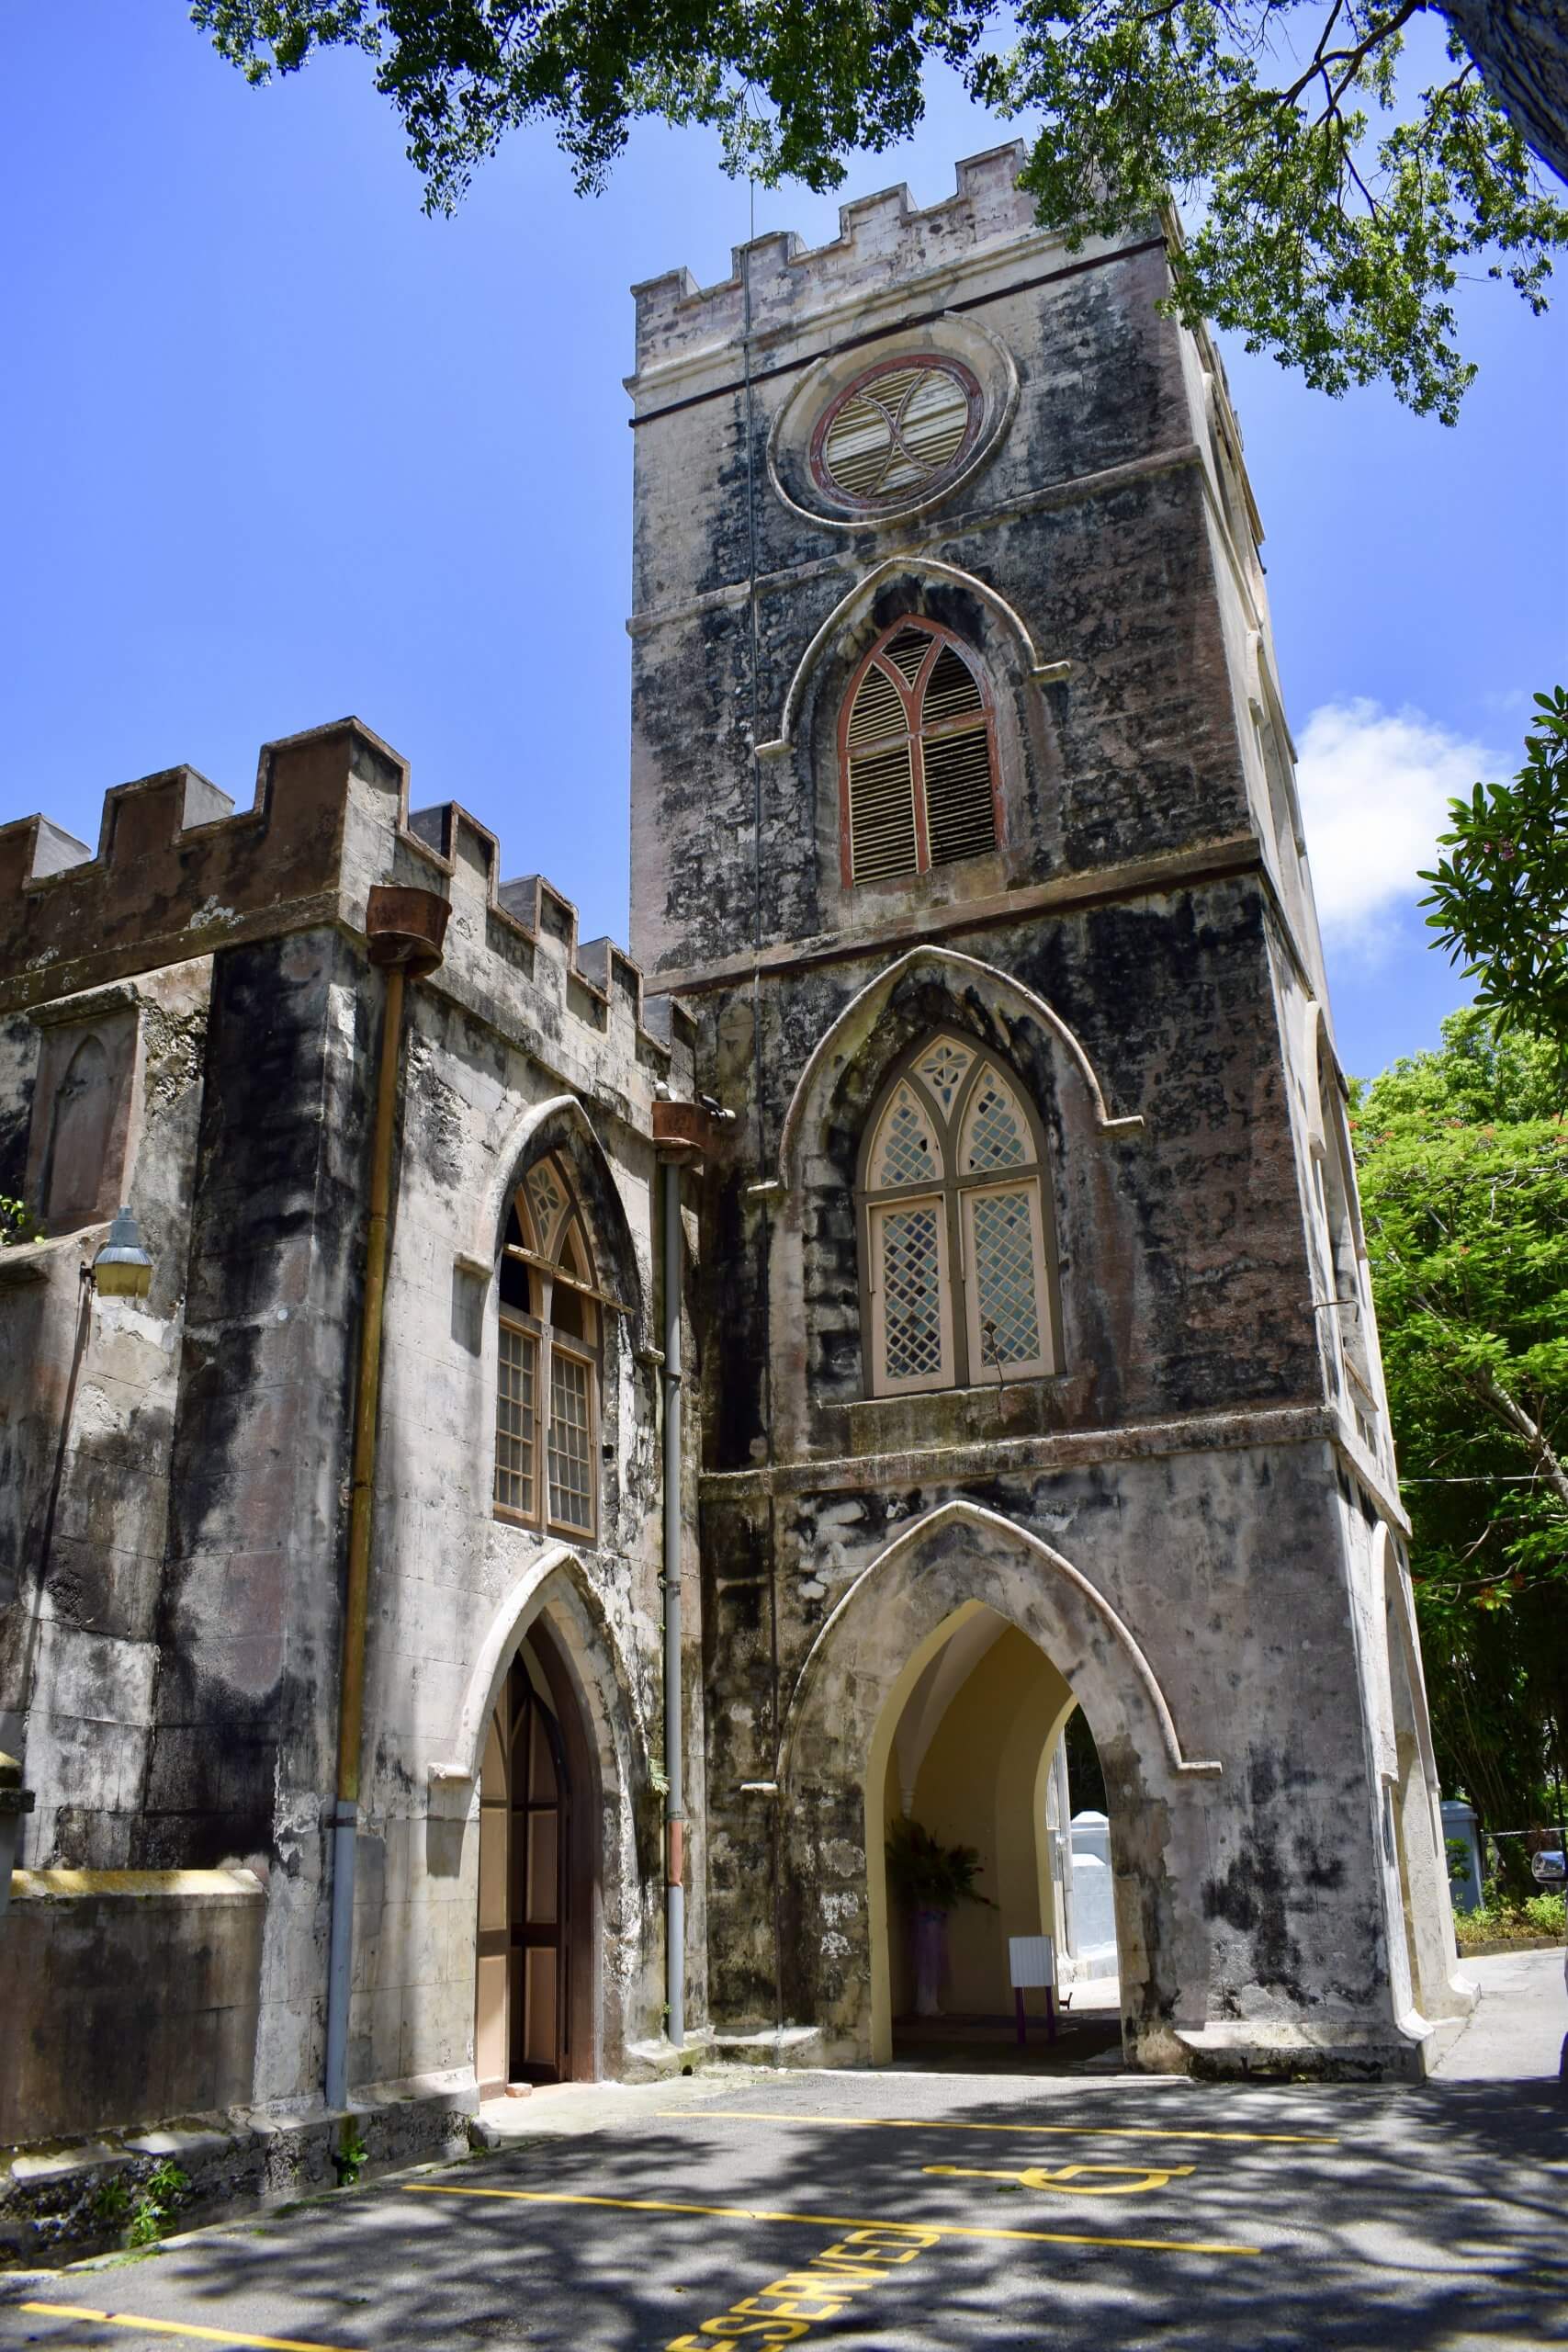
{"points": [[1010, 669], [858, 610], [560, 1130], [966, 984], [559, 1125], [557, 1590], [840, 1719], [814, 1265]]}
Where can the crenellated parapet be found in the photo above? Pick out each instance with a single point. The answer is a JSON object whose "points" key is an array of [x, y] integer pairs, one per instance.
{"points": [[884, 241], [180, 874]]}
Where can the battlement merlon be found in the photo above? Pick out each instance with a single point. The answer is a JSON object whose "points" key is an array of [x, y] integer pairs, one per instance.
{"points": [[883, 241], [179, 874]]}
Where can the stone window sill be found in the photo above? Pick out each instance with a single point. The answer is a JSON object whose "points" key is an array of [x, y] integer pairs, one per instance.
{"points": [[946, 1417]]}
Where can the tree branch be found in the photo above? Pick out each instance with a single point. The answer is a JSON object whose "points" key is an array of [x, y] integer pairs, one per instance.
{"points": [[1490, 1389], [1353, 58]]}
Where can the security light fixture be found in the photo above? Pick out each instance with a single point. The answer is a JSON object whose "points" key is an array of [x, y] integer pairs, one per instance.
{"points": [[122, 1268]]}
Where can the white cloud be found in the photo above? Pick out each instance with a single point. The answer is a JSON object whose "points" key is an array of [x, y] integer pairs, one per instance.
{"points": [[1375, 787]]}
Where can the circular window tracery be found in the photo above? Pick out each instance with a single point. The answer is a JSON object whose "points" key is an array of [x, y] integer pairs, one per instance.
{"points": [[900, 430]]}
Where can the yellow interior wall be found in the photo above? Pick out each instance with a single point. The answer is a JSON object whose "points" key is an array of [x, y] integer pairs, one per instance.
{"points": [[977, 1786]]}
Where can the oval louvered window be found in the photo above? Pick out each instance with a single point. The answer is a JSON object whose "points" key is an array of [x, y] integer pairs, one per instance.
{"points": [[918, 759], [898, 433]]}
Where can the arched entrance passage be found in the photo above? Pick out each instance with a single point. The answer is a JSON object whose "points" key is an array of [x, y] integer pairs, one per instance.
{"points": [[968, 1750], [533, 1978], [844, 1716]]}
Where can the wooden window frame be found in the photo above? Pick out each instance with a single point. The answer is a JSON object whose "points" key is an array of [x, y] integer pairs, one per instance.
{"points": [[962, 1342], [545, 1256], [968, 1190], [879, 1207], [574, 1352], [511, 1319], [914, 738]]}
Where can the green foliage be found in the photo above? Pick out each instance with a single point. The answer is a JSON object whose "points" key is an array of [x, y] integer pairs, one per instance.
{"points": [[1086, 1774], [1501, 899], [926, 1875], [112, 2200], [157, 2203], [1463, 1161], [1336, 212], [350, 2160], [1502, 1921], [1458, 1852], [18, 1222]]}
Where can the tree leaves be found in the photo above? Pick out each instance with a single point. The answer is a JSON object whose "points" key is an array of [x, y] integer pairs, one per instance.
{"points": [[1331, 243], [1502, 897], [1463, 1166]]}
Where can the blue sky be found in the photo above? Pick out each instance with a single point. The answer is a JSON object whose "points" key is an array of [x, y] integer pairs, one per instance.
{"points": [[281, 448]]}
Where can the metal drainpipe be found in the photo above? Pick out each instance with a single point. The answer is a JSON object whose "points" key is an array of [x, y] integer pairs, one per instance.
{"points": [[406, 928], [674, 1721]]}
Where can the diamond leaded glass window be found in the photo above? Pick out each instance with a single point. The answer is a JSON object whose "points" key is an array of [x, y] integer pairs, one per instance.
{"points": [[954, 1222]]}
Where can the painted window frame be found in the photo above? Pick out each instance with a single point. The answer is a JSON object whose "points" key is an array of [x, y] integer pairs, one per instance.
{"points": [[963, 1365], [904, 494], [551, 1254], [915, 735]]}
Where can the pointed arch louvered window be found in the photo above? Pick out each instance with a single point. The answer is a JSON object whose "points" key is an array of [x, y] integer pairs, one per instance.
{"points": [[954, 1227], [917, 756]]}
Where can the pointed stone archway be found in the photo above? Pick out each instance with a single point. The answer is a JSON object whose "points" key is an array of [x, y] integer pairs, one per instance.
{"points": [[839, 1729], [548, 1671]]}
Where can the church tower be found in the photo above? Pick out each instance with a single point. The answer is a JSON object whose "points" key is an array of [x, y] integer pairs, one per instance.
{"points": [[1035, 1340]]}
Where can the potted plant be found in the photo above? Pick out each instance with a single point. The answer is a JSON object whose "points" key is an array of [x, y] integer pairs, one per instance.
{"points": [[930, 1879]]}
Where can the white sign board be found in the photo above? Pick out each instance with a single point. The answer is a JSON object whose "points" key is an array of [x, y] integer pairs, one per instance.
{"points": [[1032, 1962]]}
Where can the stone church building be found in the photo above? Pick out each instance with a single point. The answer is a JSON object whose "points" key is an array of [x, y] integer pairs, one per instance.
{"points": [[565, 1453]]}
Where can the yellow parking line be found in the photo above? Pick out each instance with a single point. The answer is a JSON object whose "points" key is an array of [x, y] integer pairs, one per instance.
{"points": [[921, 2123], [176, 2327], [825, 2220]]}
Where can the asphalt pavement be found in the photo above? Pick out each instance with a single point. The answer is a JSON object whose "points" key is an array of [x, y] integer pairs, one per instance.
{"points": [[916, 2209]]}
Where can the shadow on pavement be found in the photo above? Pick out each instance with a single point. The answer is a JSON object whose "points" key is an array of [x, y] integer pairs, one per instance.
{"points": [[1437, 2222]]}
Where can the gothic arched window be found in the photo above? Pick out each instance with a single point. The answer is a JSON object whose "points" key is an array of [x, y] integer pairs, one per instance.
{"points": [[954, 1228], [917, 757], [547, 1358]]}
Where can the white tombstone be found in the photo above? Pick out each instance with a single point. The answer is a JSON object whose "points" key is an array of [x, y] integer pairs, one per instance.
{"points": [[1094, 1907]]}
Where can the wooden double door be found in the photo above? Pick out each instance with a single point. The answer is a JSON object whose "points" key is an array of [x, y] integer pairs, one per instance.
{"points": [[523, 2005]]}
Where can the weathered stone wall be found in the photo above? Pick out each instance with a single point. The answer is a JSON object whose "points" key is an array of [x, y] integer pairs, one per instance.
{"points": [[1180, 1515], [1085, 540], [499, 1063], [150, 1981], [174, 1519], [83, 1491], [1186, 1279]]}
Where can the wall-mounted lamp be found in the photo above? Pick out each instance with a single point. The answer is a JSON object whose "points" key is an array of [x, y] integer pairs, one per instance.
{"points": [[122, 1268], [15, 1801]]}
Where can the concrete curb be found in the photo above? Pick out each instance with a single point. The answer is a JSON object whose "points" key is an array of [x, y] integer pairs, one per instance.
{"points": [[1491, 1945]]}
